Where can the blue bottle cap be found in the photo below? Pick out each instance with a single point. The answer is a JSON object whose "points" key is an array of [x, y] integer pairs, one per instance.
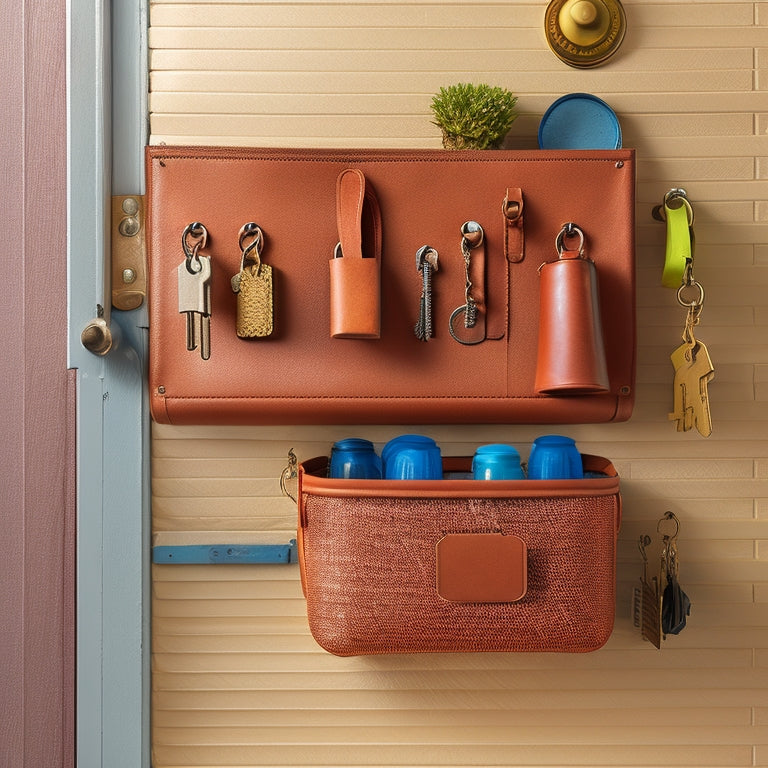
{"points": [[579, 121]]}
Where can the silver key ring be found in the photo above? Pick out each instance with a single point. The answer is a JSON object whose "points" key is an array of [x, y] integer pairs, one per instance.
{"points": [[693, 303], [460, 311]]}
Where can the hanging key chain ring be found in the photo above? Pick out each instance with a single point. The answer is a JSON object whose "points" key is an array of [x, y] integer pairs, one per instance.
{"points": [[198, 234], [690, 295], [472, 236], [669, 541], [695, 301]]}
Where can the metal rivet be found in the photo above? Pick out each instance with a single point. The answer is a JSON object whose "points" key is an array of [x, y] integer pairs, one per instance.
{"points": [[129, 276], [625, 390], [620, 164], [161, 390], [129, 226], [130, 206]]}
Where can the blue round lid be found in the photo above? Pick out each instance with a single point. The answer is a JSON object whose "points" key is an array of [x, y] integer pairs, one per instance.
{"points": [[497, 449], [579, 121], [353, 444]]}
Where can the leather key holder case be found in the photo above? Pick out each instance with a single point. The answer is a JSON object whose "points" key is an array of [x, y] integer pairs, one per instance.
{"points": [[361, 331], [413, 566], [355, 301]]}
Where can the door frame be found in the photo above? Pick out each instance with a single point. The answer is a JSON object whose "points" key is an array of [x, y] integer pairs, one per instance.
{"points": [[106, 134]]}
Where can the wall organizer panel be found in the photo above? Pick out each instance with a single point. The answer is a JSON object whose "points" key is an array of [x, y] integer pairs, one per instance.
{"points": [[299, 373]]}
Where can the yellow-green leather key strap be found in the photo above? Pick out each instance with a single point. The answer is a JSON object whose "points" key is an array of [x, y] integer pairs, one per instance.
{"points": [[680, 240]]}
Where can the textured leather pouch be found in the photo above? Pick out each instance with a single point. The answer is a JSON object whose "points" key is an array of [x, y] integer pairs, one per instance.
{"points": [[459, 565], [383, 372]]}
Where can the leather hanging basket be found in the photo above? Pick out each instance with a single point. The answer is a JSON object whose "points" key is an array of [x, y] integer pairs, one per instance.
{"points": [[409, 566]]}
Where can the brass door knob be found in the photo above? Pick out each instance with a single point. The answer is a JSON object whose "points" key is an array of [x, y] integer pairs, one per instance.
{"points": [[96, 337], [584, 33]]}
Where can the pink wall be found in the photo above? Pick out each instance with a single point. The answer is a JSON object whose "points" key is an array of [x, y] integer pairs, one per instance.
{"points": [[37, 497]]}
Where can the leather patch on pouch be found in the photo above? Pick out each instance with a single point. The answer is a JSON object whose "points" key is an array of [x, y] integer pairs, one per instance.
{"points": [[481, 568]]}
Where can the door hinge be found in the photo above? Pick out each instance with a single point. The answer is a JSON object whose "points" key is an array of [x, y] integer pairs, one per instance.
{"points": [[129, 252]]}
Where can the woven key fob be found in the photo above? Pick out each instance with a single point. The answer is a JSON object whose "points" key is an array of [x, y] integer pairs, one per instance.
{"points": [[255, 302]]}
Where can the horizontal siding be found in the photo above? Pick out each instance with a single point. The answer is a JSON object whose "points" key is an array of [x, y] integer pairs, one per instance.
{"points": [[237, 678]]}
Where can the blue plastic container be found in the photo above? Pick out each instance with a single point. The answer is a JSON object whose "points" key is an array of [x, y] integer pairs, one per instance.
{"points": [[354, 457], [497, 461], [412, 457], [554, 457]]}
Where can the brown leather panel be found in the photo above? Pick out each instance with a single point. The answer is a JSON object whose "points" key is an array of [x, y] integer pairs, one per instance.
{"points": [[302, 375]]}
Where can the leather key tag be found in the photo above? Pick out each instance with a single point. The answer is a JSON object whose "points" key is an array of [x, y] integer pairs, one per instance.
{"points": [[255, 302]]}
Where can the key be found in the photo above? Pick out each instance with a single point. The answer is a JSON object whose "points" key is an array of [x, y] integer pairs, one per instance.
{"points": [[194, 279], [698, 375], [682, 411], [693, 372], [426, 263]]}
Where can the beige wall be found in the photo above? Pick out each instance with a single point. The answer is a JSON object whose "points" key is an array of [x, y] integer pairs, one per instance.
{"points": [[237, 678]]}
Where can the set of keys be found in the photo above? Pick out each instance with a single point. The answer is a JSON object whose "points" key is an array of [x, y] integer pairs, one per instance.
{"points": [[426, 265], [472, 236], [252, 284], [194, 278], [693, 372]]}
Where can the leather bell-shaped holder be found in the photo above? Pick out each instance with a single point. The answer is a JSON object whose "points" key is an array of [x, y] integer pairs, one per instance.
{"points": [[571, 353]]}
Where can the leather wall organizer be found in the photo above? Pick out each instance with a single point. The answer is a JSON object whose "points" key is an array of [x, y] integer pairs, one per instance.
{"points": [[404, 286]]}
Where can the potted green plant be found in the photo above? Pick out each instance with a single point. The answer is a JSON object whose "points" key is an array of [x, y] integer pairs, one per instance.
{"points": [[473, 116]]}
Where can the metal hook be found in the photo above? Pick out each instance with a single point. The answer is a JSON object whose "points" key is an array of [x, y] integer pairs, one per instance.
{"points": [[674, 198], [669, 516], [251, 229], [569, 230], [289, 472], [473, 234], [200, 233]]}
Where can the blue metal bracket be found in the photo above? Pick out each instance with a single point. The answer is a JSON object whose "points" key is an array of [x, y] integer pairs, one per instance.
{"points": [[205, 554]]}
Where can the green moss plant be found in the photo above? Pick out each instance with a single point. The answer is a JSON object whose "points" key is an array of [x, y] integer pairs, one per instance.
{"points": [[473, 116]]}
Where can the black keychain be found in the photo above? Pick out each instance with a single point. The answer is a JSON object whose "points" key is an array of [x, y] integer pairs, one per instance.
{"points": [[675, 604]]}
